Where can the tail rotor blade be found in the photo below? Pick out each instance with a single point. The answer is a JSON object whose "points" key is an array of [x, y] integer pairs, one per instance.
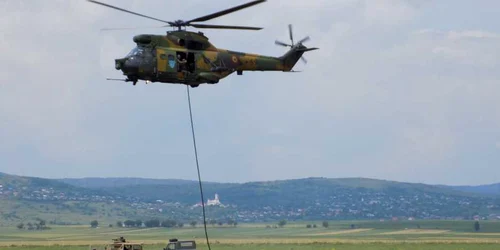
{"points": [[281, 43], [303, 59], [305, 39]]}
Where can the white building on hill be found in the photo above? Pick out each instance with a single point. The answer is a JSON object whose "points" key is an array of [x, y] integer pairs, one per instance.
{"points": [[214, 202]]}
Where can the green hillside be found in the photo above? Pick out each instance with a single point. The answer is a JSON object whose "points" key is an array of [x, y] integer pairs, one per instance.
{"points": [[25, 198]]}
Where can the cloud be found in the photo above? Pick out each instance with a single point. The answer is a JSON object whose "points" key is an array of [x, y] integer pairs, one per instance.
{"points": [[388, 12], [392, 93]]}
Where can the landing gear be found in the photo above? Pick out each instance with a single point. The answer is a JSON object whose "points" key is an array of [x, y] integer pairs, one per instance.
{"points": [[194, 85], [132, 79]]}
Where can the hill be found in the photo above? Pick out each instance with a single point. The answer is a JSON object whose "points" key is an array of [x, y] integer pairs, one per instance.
{"points": [[28, 199], [100, 183], [114, 199], [95, 183], [491, 189], [316, 198]]}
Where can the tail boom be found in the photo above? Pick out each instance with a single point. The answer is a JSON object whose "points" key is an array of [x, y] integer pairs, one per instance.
{"points": [[254, 62]]}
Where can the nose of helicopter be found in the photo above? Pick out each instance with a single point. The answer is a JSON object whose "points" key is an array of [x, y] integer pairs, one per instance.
{"points": [[119, 63], [127, 65]]}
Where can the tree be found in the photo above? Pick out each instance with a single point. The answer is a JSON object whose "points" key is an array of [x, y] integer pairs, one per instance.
{"points": [[110, 225], [180, 224], [353, 226], [119, 224], [168, 223], [325, 224], [314, 226], [129, 223], [282, 223], [152, 223], [477, 227], [20, 226], [235, 223], [220, 223], [308, 226], [42, 224], [193, 223], [213, 222], [30, 226], [94, 224], [138, 223]]}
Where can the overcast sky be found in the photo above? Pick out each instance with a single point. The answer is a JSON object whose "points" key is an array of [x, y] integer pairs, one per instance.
{"points": [[404, 90]]}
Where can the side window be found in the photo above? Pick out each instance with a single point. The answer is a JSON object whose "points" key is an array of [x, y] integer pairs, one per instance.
{"points": [[187, 245], [195, 45]]}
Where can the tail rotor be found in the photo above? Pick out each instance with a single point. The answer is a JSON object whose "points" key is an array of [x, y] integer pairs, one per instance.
{"points": [[298, 45]]}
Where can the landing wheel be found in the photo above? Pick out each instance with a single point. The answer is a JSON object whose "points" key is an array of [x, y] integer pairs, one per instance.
{"points": [[194, 85]]}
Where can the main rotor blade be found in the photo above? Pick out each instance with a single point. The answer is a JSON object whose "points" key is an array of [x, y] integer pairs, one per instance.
{"points": [[127, 11], [282, 43], [134, 28], [305, 39], [225, 12], [290, 32], [210, 26]]}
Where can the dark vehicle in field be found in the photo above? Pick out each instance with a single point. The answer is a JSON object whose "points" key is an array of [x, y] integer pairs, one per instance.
{"points": [[175, 244]]}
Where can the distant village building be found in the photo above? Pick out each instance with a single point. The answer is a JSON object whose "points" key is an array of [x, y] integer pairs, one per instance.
{"points": [[214, 202]]}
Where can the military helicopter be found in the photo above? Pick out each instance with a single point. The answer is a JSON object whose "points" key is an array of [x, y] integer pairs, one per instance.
{"points": [[185, 57]]}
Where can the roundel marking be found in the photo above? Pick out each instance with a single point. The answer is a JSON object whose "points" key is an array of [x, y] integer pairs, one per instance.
{"points": [[235, 60]]}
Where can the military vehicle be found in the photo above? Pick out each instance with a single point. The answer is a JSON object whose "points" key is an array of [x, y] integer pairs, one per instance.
{"points": [[121, 244], [175, 244], [185, 57]]}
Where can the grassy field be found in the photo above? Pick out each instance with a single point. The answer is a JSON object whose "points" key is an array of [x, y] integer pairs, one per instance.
{"points": [[294, 236], [375, 246]]}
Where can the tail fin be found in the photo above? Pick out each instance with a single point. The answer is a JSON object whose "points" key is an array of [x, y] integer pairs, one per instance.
{"points": [[295, 53]]}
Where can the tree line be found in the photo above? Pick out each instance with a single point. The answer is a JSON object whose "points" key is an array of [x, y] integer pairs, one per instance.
{"points": [[168, 223], [39, 224]]}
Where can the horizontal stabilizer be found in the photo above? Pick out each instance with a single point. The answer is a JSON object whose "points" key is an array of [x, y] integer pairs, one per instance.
{"points": [[306, 49]]}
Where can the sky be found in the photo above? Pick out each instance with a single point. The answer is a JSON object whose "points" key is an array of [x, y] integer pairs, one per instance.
{"points": [[403, 90]]}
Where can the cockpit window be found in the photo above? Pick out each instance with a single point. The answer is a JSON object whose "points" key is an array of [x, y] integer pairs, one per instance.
{"points": [[136, 52]]}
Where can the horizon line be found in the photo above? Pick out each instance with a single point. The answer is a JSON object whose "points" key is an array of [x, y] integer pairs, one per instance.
{"points": [[245, 182]]}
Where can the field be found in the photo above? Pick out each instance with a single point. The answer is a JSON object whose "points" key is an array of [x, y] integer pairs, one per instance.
{"points": [[338, 236]]}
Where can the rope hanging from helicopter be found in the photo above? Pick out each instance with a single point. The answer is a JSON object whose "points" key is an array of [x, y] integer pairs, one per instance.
{"points": [[198, 167], [180, 24]]}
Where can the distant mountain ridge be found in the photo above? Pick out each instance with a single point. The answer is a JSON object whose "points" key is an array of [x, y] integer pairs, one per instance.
{"points": [[100, 182], [490, 189], [115, 182], [297, 199]]}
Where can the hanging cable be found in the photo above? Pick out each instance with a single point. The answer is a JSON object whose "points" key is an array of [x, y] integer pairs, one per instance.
{"points": [[198, 168]]}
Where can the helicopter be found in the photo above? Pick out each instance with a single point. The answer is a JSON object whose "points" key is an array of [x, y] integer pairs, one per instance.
{"points": [[186, 57]]}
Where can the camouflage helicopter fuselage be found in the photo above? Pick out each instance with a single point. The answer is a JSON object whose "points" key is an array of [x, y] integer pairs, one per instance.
{"points": [[157, 59]]}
